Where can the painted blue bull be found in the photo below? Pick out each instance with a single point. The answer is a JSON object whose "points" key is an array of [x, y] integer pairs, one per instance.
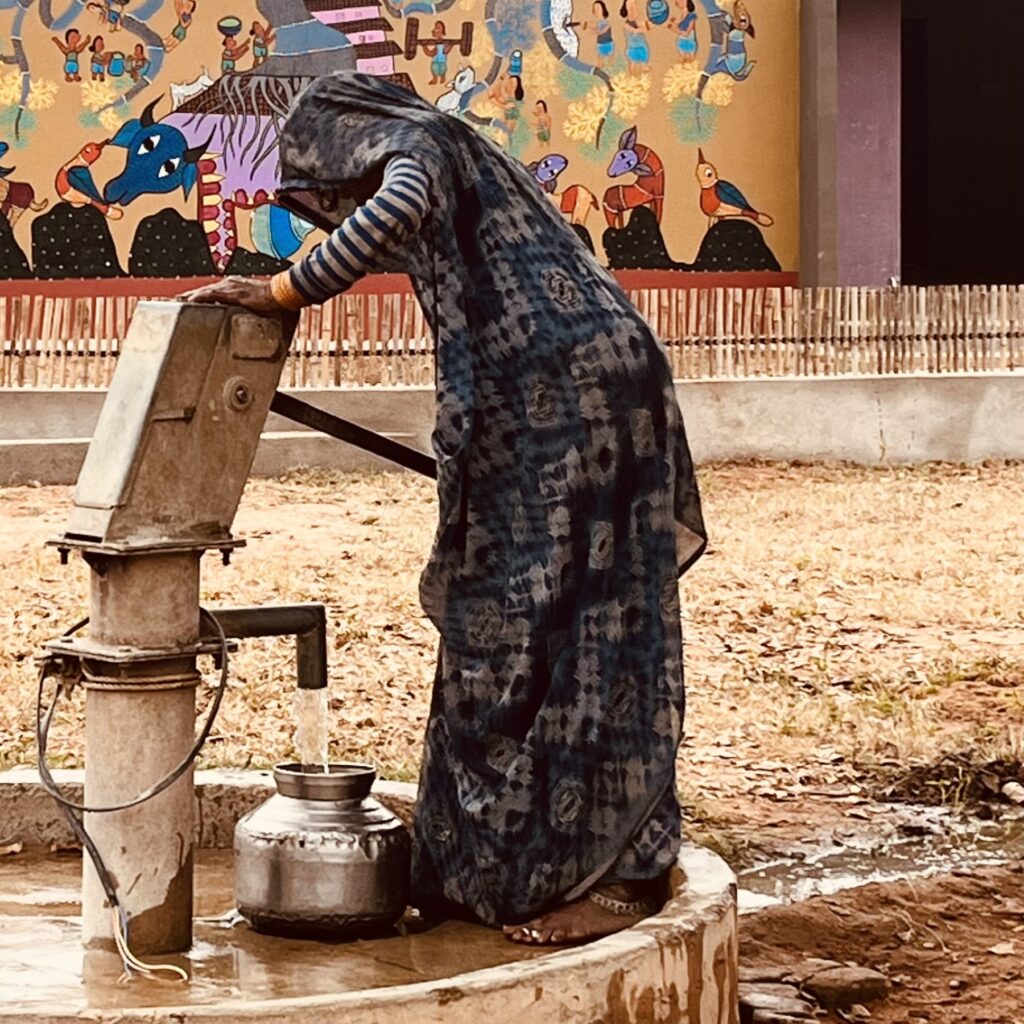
{"points": [[159, 160]]}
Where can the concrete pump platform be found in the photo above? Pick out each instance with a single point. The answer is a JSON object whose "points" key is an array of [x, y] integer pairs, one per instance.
{"points": [[678, 966]]}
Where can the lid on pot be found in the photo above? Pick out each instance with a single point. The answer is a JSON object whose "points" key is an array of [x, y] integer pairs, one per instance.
{"points": [[341, 781]]}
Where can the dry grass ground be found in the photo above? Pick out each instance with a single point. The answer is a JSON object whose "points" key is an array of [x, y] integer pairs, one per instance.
{"points": [[849, 629], [851, 632]]}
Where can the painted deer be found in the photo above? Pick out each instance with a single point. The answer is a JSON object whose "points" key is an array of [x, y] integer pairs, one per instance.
{"points": [[575, 200], [647, 190], [16, 197]]}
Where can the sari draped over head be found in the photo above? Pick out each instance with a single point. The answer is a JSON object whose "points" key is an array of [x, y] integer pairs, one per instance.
{"points": [[568, 509]]}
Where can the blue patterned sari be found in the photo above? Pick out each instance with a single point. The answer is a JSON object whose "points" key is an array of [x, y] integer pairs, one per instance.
{"points": [[568, 510]]}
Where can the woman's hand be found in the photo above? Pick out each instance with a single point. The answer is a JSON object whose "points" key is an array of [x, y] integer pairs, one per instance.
{"points": [[236, 291]]}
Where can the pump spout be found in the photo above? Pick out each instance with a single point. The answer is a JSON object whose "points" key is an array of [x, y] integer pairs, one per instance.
{"points": [[306, 622]]}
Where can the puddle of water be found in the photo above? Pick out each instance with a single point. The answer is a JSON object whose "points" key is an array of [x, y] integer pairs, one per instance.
{"points": [[938, 842], [44, 970], [41, 960]]}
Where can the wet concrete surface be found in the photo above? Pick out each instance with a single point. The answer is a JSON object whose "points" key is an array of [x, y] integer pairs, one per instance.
{"points": [[896, 842], [42, 965]]}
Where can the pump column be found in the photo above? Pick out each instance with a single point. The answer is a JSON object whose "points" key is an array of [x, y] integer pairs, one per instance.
{"points": [[139, 726], [160, 484]]}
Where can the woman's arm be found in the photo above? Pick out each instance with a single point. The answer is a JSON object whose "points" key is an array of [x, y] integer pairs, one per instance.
{"points": [[379, 225], [382, 223]]}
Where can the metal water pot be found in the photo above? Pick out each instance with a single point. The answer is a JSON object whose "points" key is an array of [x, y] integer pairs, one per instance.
{"points": [[321, 856]]}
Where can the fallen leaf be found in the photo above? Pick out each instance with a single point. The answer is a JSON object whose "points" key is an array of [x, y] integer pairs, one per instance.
{"points": [[1004, 949], [1014, 792]]}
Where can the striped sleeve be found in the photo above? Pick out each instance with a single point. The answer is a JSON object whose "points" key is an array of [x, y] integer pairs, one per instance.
{"points": [[378, 226]]}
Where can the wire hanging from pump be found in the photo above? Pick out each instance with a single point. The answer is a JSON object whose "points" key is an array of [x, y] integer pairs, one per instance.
{"points": [[120, 920]]}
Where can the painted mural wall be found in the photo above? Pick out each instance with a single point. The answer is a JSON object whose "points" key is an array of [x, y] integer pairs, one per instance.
{"points": [[138, 137]]}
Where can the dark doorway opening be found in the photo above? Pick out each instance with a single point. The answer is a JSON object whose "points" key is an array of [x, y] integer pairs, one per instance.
{"points": [[962, 160]]}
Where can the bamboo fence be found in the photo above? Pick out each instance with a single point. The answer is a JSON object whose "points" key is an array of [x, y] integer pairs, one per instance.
{"points": [[383, 339]]}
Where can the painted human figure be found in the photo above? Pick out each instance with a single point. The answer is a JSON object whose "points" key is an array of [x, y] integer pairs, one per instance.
{"points": [[263, 37], [73, 46], [99, 61], [686, 29], [508, 93], [138, 63], [231, 54], [542, 121], [437, 49], [185, 10], [111, 13], [638, 52], [603, 33], [727, 53], [735, 59], [115, 14]]}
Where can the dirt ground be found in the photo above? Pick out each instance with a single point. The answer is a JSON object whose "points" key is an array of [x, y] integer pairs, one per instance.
{"points": [[952, 947], [852, 633]]}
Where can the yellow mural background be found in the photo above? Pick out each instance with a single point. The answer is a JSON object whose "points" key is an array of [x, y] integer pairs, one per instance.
{"points": [[59, 132], [754, 142]]}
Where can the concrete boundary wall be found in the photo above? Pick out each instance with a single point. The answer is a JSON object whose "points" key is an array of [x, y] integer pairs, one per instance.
{"points": [[873, 420]]}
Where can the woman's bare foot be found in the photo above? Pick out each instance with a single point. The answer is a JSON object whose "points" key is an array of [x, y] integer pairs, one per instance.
{"points": [[601, 912]]}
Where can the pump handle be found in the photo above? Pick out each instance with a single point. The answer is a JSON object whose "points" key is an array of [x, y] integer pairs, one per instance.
{"points": [[344, 430]]}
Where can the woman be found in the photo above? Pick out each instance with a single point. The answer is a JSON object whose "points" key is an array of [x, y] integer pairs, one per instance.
{"points": [[568, 507], [100, 60], [686, 28], [602, 33], [638, 53]]}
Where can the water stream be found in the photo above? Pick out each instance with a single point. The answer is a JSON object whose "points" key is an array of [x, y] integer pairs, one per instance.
{"points": [[310, 711]]}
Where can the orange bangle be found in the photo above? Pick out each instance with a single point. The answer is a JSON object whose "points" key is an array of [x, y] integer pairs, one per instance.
{"points": [[286, 295]]}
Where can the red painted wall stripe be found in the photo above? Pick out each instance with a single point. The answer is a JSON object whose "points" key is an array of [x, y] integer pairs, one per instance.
{"points": [[379, 284]]}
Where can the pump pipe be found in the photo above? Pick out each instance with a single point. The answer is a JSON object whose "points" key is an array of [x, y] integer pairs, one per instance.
{"points": [[306, 622]]}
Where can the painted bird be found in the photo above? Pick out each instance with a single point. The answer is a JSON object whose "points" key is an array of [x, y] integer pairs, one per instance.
{"points": [[75, 184], [720, 199]]}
